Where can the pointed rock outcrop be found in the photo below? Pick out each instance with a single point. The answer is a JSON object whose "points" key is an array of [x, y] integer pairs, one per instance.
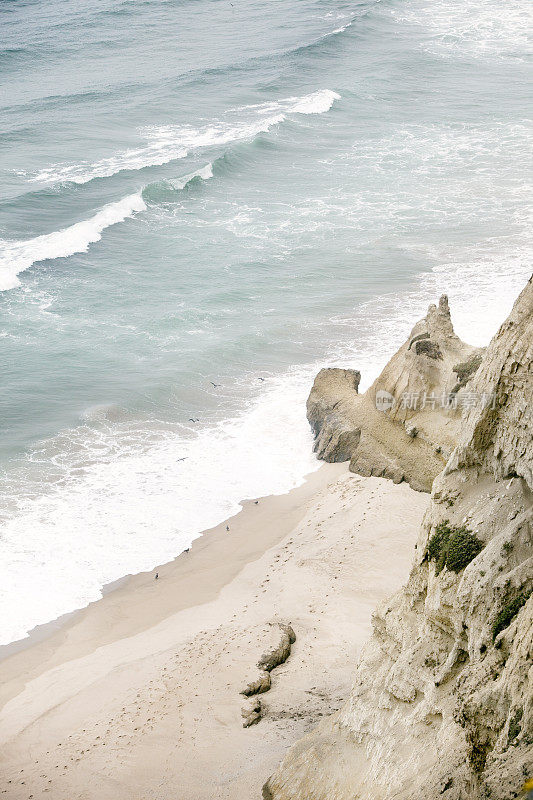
{"points": [[407, 423]]}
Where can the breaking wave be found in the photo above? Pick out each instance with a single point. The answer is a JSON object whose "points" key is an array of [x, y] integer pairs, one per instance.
{"points": [[166, 143], [17, 256]]}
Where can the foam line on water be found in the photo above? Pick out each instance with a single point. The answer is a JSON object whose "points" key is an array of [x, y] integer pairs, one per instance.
{"points": [[316, 103], [166, 143], [17, 256], [204, 173], [162, 191]]}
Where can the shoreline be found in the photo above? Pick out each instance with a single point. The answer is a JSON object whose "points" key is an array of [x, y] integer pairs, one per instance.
{"points": [[49, 636], [44, 630], [139, 693]]}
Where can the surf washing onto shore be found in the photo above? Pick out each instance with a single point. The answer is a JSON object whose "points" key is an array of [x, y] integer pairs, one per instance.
{"points": [[211, 203]]}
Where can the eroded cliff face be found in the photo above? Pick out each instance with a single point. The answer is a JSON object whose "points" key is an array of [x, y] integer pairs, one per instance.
{"points": [[442, 705], [407, 423]]}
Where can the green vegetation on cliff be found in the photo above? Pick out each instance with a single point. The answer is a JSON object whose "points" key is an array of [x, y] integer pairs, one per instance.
{"points": [[513, 604], [453, 548]]}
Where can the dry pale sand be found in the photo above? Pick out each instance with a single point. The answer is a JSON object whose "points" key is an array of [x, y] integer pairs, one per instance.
{"points": [[137, 696]]}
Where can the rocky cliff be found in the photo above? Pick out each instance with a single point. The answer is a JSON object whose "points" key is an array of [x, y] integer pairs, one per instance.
{"points": [[408, 422], [442, 704]]}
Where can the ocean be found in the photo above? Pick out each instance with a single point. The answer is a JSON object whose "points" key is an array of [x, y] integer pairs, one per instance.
{"points": [[202, 202]]}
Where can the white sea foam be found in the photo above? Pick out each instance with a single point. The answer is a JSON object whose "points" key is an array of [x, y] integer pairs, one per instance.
{"points": [[16, 256], [316, 103], [166, 143], [341, 29], [486, 28], [347, 22], [204, 173]]}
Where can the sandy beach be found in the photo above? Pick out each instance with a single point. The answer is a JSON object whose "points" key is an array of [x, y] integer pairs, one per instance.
{"points": [[138, 695]]}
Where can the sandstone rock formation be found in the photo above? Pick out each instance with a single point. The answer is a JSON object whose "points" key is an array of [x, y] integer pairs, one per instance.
{"points": [[442, 705], [251, 714], [280, 653], [271, 659], [260, 685], [408, 421]]}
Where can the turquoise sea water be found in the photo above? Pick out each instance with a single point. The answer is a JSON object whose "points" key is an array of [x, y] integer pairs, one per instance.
{"points": [[197, 192]]}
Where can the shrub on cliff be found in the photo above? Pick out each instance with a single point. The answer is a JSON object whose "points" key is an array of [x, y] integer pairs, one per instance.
{"points": [[453, 547], [463, 547], [513, 604], [438, 544], [465, 371]]}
